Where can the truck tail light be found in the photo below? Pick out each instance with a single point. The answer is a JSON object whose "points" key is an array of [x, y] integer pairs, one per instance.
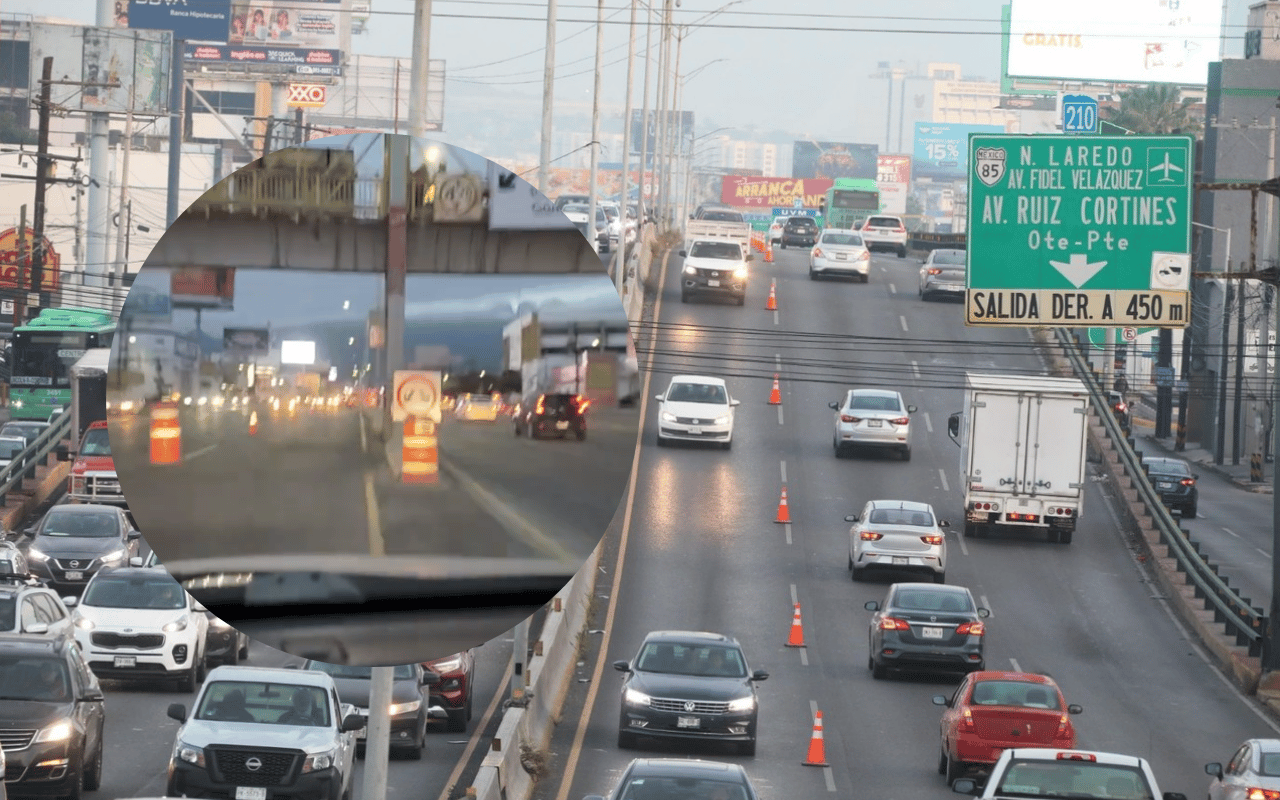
{"points": [[541, 407], [986, 506], [871, 536], [966, 722], [971, 629], [894, 624]]}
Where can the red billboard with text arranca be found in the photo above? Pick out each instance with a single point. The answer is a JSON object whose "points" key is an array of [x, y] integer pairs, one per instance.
{"points": [[751, 192]]}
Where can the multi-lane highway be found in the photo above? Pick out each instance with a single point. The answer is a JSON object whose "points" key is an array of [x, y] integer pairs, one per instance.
{"points": [[315, 480], [701, 551]]}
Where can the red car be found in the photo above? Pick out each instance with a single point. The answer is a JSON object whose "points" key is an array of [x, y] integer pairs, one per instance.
{"points": [[994, 711], [453, 692]]}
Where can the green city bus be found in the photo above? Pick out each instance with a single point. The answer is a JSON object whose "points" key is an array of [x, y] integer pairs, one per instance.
{"points": [[44, 350], [849, 201]]}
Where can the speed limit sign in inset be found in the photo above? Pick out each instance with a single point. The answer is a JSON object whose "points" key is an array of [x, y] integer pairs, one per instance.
{"points": [[417, 395]]}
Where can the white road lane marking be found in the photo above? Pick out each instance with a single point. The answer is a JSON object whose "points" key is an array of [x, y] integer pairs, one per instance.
{"points": [[903, 320], [943, 477], [1014, 662], [197, 453], [928, 423]]}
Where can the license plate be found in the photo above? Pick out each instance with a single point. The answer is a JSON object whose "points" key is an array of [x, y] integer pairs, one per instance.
{"points": [[841, 256], [713, 283], [688, 722], [1164, 485], [931, 633], [874, 423], [901, 560], [251, 793], [695, 431], [75, 576], [562, 426], [126, 661]]}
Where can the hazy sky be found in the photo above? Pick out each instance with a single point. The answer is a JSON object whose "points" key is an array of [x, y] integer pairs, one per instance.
{"points": [[800, 67]]}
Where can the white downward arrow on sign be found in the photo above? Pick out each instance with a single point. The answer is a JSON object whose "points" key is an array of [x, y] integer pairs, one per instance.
{"points": [[1078, 270]]}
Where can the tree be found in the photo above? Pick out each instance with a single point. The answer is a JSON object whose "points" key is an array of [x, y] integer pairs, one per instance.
{"points": [[11, 132], [1157, 108]]}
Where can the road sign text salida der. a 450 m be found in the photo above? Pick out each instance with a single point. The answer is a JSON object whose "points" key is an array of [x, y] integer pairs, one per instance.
{"points": [[1074, 232]]}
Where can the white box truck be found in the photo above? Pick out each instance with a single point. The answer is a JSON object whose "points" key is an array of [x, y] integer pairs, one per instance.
{"points": [[1023, 447]]}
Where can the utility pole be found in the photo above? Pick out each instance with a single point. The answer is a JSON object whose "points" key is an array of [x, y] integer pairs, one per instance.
{"points": [[660, 145], [378, 744], [674, 136], [548, 85], [421, 66], [1221, 439], [593, 187], [177, 121], [126, 143], [642, 196], [42, 181], [20, 296], [99, 137], [619, 261]]}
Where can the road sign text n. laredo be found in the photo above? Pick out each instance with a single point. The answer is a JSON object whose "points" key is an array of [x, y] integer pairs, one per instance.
{"points": [[1079, 232]]}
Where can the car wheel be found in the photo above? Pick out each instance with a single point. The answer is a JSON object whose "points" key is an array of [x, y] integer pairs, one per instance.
{"points": [[954, 770], [940, 577], [75, 790], [662, 441], [233, 657], [858, 574], [457, 722], [866, 277], [905, 453], [747, 748], [727, 445], [902, 252], [468, 716], [942, 761], [878, 671], [1052, 536], [244, 648], [188, 683], [811, 274], [837, 448], [415, 752], [742, 300], [93, 772], [172, 789]]}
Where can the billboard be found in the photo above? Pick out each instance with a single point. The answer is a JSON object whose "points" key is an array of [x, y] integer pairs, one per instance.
{"points": [[1140, 41], [246, 340], [303, 34], [833, 160], [578, 181], [15, 271], [893, 177], [769, 193], [190, 20], [202, 287], [941, 150], [138, 61], [682, 119], [296, 351]]}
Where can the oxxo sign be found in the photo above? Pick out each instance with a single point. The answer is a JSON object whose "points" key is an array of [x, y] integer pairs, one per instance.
{"points": [[1073, 232], [306, 95]]}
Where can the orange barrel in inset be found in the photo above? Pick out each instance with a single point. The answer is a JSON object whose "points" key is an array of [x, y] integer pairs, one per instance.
{"points": [[420, 459], [166, 434]]}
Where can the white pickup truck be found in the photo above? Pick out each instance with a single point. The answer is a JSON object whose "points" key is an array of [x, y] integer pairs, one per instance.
{"points": [[715, 266], [739, 232]]}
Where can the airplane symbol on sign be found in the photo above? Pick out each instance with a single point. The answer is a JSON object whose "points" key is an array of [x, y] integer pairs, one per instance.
{"points": [[1166, 167]]}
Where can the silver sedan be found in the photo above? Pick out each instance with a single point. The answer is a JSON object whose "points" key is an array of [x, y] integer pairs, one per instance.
{"points": [[840, 252], [944, 274], [898, 535]]}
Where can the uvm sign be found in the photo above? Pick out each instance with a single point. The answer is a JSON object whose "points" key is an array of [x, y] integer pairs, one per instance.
{"points": [[1063, 232]]}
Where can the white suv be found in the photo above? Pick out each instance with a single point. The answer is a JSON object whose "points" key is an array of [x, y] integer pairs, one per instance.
{"points": [[1049, 772], [137, 623], [885, 233]]}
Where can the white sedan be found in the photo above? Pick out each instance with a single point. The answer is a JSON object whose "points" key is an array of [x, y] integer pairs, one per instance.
{"points": [[840, 252], [898, 535], [695, 408]]}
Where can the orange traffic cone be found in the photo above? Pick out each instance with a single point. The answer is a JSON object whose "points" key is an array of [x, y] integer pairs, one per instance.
{"points": [[784, 516], [772, 303], [817, 750], [253, 423], [768, 252], [796, 639], [775, 397]]}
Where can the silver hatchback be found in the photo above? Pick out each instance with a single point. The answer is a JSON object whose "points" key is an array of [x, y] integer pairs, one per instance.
{"points": [[872, 418], [944, 274], [898, 535]]}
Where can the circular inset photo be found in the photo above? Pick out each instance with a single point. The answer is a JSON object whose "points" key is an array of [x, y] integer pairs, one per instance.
{"points": [[372, 400]]}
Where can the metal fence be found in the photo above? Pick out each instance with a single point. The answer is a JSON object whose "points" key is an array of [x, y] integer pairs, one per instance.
{"points": [[12, 475]]}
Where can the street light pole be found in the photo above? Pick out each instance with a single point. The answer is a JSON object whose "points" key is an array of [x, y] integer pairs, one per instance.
{"points": [[548, 85], [593, 189], [625, 200], [642, 199]]}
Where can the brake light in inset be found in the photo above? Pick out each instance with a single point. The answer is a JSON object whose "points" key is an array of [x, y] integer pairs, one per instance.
{"points": [[1077, 757], [540, 407], [849, 418], [817, 252], [971, 629], [1258, 793], [966, 722], [871, 536], [894, 624], [900, 420], [1188, 481], [932, 538]]}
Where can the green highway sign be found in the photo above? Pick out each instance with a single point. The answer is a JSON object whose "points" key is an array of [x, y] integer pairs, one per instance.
{"points": [[1079, 232]]}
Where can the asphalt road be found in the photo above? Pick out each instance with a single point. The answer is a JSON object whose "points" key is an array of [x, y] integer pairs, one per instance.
{"points": [[702, 553], [312, 481]]}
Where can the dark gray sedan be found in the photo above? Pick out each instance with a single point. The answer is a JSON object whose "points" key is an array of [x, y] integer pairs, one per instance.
{"points": [[926, 626]]}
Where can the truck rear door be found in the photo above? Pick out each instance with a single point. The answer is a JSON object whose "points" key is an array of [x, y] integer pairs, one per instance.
{"points": [[1054, 454], [998, 441]]}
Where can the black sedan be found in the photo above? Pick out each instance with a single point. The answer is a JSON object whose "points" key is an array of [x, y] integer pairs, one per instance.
{"points": [[689, 685], [1174, 481], [558, 415], [409, 705], [926, 626], [75, 540], [799, 232], [646, 778]]}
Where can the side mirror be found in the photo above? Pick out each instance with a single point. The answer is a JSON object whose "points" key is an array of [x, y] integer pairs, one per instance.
{"points": [[178, 711], [984, 613], [684, 254], [1075, 708], [911, 409], [63, 453], [657, 397], [69, 601], [940, 700], [835, 406], [944, 524], [953, 425], [1214, 769], [353, 722], [967, 786], [37, 627], [760, 675], [437, 712], [622, 666], [871, 605], [734, 402], [94, 695], [850, 518], [136, 561], [134, 534]]}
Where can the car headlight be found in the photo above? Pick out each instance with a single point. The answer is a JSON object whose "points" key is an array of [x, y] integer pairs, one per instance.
{"points": [[742, 704], [667, 416], [57, 732], [722, 420], [632, 697], [115, 555], [448, 665], [35, 555], [688, 270], [318, 761], [189, 754], [179, 624], [84, 623], [396, 709], [740, 272]]}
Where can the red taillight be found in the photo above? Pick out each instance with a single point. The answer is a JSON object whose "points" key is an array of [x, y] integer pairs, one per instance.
{"points": [[582, 404], [1120, 408], [971, 629], [900, 421], [1188, 481], [1258, 793], [1077, 757], [539, 409], [901, 229], [894, 624], [966, 722], [870, 536], [1064, 727], [848, 418], [817, 252], [934, 271], [932, 538]]}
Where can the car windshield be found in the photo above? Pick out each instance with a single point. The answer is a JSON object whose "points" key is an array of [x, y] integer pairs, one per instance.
{"points": [[901, 516], [403, 672], [842, 238], [697, 393], [932, 600], [1015, 693], [102, 525], [873, 402], [675, 788], [883, 222], [802, 222], [27, 432], [96, 443], [269, 703], [9, 449], [34, 677], [950, 258], [722, 216], [574, 208], [715, 250], [118, 591], [705, 661], [1083, 779]]}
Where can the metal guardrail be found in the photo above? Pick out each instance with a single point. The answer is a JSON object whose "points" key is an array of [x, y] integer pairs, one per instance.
{"points": [[11, 476], [1243, 620]]}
